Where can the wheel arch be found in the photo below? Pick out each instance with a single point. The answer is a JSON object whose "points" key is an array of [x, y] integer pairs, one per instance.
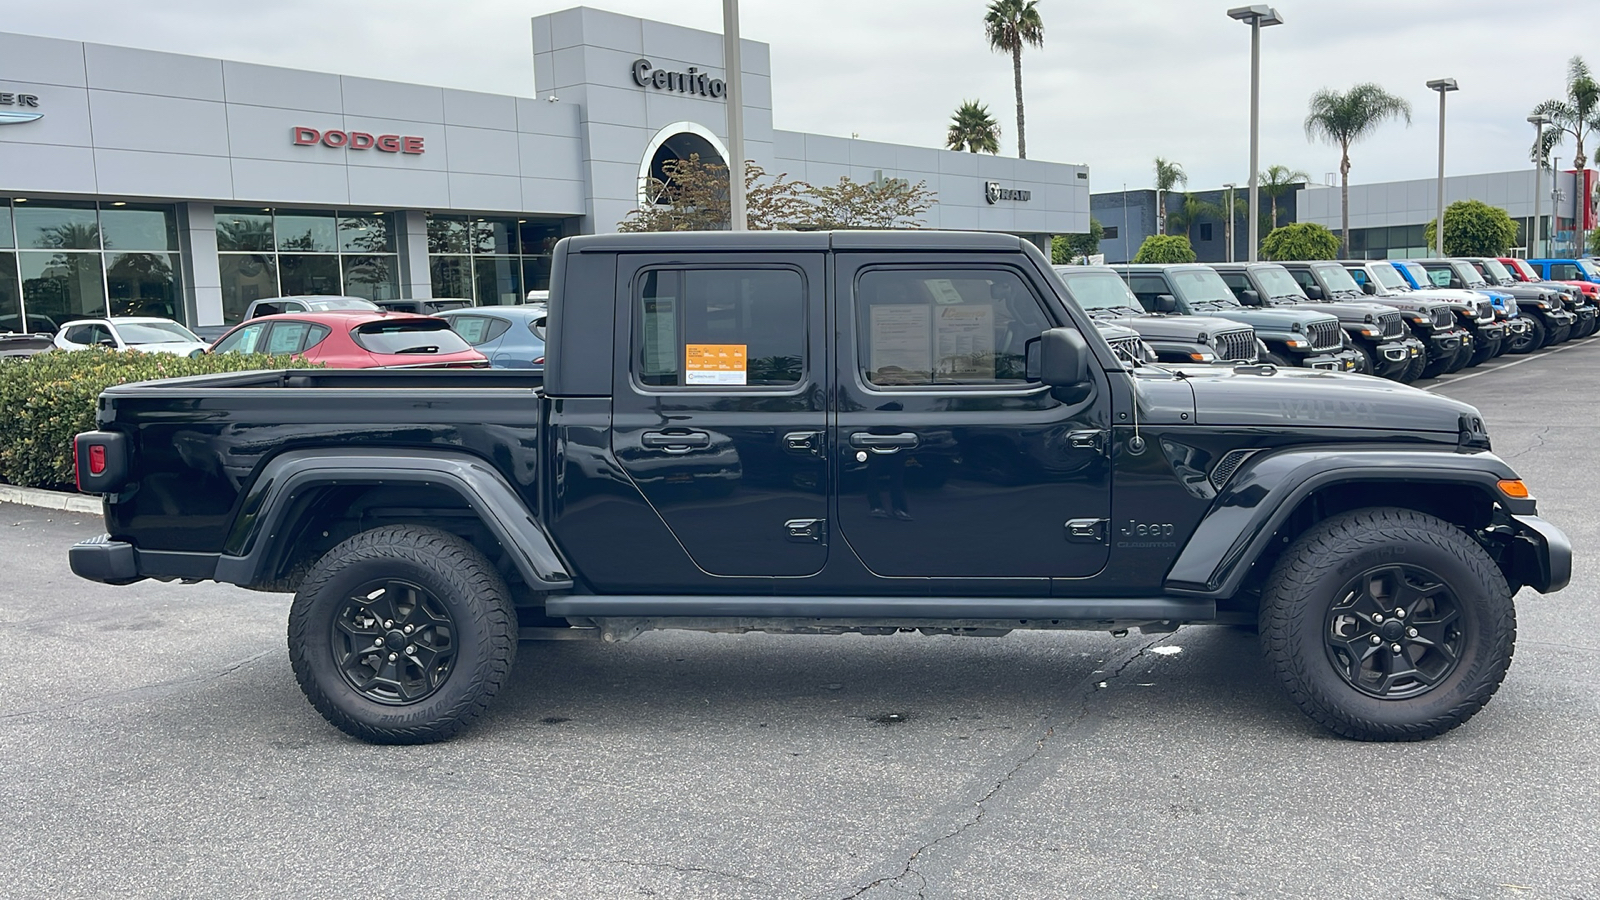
{"points": [[1276, 497], [305, 499]]}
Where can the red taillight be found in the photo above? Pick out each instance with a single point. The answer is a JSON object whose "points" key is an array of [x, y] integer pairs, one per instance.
{"points": [[97, 459], [77, 472], [539, 361]]}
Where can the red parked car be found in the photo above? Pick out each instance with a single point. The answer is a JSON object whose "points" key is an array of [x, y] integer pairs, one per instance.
{"points": [[1523, 272], [355, 339]]}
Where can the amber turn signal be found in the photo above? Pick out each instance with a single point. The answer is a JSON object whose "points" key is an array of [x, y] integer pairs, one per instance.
{"points": [[1514, 488]]}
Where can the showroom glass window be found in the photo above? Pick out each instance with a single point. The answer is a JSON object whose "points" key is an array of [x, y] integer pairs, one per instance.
{"points": [[63, 260], [492, 261], [299, 252]]}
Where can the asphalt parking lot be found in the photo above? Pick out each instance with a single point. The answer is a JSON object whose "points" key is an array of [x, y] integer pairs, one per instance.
{"points": [[155, 744]]}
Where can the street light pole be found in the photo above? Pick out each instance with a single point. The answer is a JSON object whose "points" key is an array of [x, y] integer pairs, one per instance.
{"points": [[1443, 86], [1229, 220], [1539, 122], [739, 220], [1258, 16]]}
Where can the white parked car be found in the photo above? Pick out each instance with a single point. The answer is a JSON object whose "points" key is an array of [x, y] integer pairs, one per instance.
{"points": [[142, 333]]}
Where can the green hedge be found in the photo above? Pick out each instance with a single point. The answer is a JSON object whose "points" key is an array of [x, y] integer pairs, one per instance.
{"points": [[48, 398]]}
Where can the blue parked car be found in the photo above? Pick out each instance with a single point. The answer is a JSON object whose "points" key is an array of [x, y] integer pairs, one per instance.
{"points": [[511, 336]]}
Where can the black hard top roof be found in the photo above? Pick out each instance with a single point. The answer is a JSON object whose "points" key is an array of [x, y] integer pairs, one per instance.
{"points": [[902, 239]]}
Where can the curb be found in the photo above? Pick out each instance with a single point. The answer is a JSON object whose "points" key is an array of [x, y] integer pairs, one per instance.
{"points": [[79, 503]]}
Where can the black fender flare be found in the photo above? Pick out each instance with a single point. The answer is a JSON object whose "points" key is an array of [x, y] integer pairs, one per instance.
{"points": [[261, 522], [1266, 490]]}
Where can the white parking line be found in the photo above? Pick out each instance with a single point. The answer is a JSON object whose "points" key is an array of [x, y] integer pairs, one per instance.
{"points": [[1545, 354]]}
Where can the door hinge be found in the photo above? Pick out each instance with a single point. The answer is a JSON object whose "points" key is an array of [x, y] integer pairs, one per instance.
{"points": [[809, 442], [1086, 531], [806, 531], [1085, 440]]}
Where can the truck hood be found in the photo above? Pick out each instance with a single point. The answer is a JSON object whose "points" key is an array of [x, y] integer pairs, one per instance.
{"points": [[1305, 397], [1181, 328], [1276, 319], [1351, 310]]}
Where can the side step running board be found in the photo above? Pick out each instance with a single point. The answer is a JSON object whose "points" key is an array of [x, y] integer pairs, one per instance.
{"points": [[928, 609]]}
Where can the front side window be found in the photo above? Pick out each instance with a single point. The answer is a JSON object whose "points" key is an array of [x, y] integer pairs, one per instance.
{"points": [[720, 328], [245, 340], [1564, 272], [917, 327]]}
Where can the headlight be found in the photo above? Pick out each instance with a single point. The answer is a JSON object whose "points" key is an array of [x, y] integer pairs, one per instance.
{"points": [[1544, 304]]}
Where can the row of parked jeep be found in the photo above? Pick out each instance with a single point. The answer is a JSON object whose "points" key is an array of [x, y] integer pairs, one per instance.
{"points": [[1398, 319]]}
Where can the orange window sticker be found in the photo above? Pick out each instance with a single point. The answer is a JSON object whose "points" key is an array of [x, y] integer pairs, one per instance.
{"points": [[714, 363]]}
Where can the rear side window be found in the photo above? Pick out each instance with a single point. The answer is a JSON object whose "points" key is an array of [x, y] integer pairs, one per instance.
{"points": [[1564, 272], [477, 330], [287, 337], [920, 327], [420, 337], [245, 340], [720, 327]]}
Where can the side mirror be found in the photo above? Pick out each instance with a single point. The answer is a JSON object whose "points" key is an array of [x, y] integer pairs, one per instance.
{"points": [[1315, 292], [107, 342], [1249, 297], [1063, 358], [1369, 287], [1166, 303]]}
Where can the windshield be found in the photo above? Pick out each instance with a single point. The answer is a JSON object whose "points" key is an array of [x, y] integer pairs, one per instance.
{"points": [[1589, 269], [155, 333], [1418, 273], [1338, 279], [1523, 271], [1201, 287], [1388, 278], [1438, 274], [1100, 290], [1279, 284], [1496, 271], [325, 303]]}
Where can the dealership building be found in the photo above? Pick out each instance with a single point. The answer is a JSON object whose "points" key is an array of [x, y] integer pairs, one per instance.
{"points": [[141, 183]]}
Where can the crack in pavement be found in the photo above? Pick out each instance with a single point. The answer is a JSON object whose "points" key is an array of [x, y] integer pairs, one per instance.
{"points": [[1095, 682], [1538, 436], [157, 689], [644, 864], [1561, 646]]}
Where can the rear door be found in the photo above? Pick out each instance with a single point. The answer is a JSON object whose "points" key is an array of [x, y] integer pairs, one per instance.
{"points": [[719, 406], [950, 462]]}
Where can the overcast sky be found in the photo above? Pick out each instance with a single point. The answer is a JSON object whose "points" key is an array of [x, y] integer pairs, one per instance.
{"points": [[1115, 84]]}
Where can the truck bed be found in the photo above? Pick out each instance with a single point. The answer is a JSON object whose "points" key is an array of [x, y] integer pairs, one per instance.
{"points": [[200, 441]]}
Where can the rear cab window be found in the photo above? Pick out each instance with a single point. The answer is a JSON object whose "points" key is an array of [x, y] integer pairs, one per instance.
{"points": [[719, 328]]}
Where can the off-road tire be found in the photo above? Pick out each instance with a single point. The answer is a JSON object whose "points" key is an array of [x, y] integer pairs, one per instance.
{"points": [[1273, 359], [1534, 340], [1484, 351], [482, 632], [1464, 357], [1558, 335], [1310, 579], [1365, 365], [1413, 369]]}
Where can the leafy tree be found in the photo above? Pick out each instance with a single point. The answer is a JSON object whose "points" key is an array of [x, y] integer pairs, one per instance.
{"points": [[973, 129], [1277, 181], [1064, 248], [1168, 176], [1008, 24], [1190, 212], [1474, 228], [1576, 115], [1346, 118], [1165, 248], [1300, 240], [891, 203], [694, 197]]}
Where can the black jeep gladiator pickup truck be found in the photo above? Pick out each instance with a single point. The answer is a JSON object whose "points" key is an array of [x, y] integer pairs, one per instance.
{"points": [[824, 433]]}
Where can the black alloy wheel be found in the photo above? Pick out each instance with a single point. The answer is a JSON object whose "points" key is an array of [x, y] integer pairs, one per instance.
{"points": [[1530, 340], [402, 634], [393, 641], [1395, 632], [1388, 624]]}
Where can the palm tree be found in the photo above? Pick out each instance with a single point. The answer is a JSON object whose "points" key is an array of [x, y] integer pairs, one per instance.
{"points": [[1277, 181], [1168, 176], [1344, 119], [1008, 25], [1192, 211], [1575, 115], [973, 129]]}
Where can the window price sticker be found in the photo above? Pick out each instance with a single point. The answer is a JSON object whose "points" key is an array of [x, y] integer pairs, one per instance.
{"points": [[714, 363]]}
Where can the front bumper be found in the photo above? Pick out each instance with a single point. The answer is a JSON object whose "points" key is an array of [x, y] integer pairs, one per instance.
{"points": [[1393, 357], [1446, 343], [1541, 554], [1558, 318], [1344, 360]]}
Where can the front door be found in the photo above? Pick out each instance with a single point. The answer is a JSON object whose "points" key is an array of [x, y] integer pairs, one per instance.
{"points": [[719, 409], [949, 461]]}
